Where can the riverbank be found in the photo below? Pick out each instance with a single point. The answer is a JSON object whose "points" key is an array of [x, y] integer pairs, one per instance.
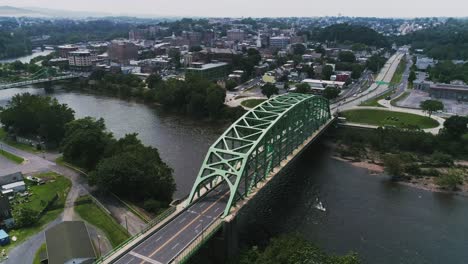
{"points": [[423, 182]]}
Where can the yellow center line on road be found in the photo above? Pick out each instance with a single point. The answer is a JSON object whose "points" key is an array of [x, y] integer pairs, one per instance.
{"points": [[183, 229]]}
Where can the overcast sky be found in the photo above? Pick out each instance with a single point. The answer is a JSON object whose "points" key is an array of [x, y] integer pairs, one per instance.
{"points": [[259, 8]]}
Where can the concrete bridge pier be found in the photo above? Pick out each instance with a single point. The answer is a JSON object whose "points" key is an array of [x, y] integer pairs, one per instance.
{"points": [[230, 234]]}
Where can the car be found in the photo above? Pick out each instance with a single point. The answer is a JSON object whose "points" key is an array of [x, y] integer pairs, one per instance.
{"points": [[388, 98]]}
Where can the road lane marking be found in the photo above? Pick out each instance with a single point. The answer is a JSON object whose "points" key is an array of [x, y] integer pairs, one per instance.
{"points": [[150, 260], [198, 226], [159, 238], [217, 209], [185, 227], [174, 246], [183, 219]]}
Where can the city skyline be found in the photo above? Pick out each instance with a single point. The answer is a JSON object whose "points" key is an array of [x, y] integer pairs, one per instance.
{"points": [[261, 8]]}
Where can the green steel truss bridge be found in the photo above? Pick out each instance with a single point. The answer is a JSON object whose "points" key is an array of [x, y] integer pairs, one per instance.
{"points": [[41, 76], [256, 143], [249, 153]]}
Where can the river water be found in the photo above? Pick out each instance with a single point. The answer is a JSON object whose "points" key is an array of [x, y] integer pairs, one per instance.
{"points": [[384, 222], [28, 58]]}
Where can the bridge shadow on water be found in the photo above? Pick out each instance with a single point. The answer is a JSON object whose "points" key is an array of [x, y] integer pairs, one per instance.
{"points": [[268, 213]]}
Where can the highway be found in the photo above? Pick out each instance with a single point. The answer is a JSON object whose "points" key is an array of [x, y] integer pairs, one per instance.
{"points": [[167, 243]]}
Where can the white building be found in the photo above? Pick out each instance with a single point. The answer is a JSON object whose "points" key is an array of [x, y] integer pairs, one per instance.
{"points": [[81, 60]]}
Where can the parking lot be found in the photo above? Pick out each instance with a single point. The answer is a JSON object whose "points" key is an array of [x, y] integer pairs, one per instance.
{"points": [[450, 106]]}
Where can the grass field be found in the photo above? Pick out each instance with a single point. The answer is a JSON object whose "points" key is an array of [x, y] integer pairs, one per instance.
{"points": [[396, 78], [93, 214], [57, 185], [374, 101], [388, 118], [11, 156], [251, 103]]}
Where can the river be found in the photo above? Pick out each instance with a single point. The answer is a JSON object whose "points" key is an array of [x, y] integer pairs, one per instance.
{"points": [[28, 58], [384, 222]]}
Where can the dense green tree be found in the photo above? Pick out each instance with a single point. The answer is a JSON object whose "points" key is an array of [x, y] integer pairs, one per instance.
{"points": [[30, 115], [308, 70], [25, 216], [431, 106], [132, 167], [298, 49], [375, 63], [269, 89], [230, 85], [154, 80], [331, 92], [302, 88], [455, 126], [356, 71], [347, 56], [86, 141], [327, 72]]}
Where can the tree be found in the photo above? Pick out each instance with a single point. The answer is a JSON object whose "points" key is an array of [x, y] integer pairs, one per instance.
{"points": [[327, 72], [347, 56], [25, 216], [356, 71], [154, 80], [302, 88], [230, 85], [431, 106], [135, 172], [393, 165], [411, 77], [331, 92], [441, 159], [455, 126], [269, 89], [85, 142], [451, 180], [30, 115], [298, 49]]}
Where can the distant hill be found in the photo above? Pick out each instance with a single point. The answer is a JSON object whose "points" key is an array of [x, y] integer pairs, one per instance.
{"points": [[10, 11]]}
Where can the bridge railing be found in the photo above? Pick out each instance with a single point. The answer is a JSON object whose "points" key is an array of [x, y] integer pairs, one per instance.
{"points": [[150, 225], [198, 241]]}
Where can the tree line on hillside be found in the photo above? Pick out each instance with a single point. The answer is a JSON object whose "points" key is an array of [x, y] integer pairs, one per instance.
{"points": [[448, 41], [346, 33]]}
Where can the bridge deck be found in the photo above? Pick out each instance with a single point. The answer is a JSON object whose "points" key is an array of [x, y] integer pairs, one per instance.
{"points": [[166, 244]]}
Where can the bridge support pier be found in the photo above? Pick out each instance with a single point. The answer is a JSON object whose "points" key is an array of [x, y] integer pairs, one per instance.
{"points": [[231, 238]]}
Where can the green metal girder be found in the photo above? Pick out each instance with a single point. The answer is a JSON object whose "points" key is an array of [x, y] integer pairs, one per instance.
{"points": [[258, 141]]}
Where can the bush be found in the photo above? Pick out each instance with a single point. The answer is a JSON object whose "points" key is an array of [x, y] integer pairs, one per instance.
{"points": [[152, 205], [413, 169], [393, 165], [25, 217], [441, 159], [451, 180]]}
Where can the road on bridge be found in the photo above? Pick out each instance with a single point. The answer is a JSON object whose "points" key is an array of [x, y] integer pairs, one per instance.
{"points": [[168, 242]]}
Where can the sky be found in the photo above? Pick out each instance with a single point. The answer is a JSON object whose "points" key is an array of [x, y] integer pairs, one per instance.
{"points": [[258, 8]]}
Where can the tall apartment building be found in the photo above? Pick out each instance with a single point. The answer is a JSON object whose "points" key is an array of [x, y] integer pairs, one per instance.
{"points": [[122, 51], [65, 49], [81, 60], [236, 35], [280, 42]]}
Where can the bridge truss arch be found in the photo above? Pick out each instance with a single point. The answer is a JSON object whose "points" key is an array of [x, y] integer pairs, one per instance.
{"points": [[257, 143]]}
